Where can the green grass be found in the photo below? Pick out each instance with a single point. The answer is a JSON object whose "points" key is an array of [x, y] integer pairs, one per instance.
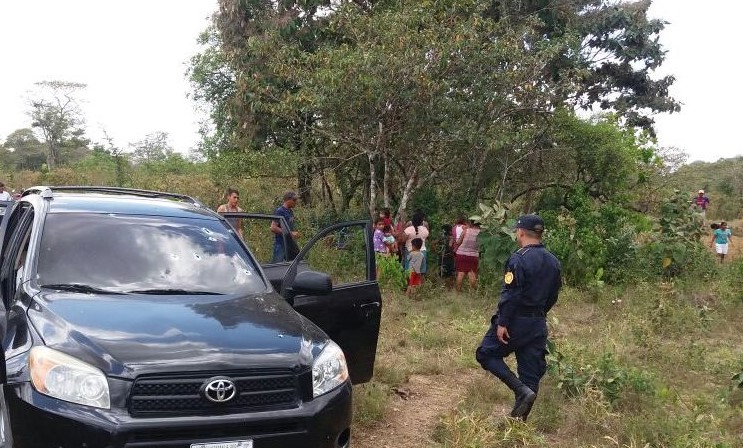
{"points": [[652, 365]]}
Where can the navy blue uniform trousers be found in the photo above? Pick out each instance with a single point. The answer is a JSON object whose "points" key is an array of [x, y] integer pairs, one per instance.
{"points": [[528, 341]]}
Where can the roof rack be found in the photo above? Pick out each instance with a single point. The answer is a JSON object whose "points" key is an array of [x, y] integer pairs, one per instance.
{"points": [[47, 192]]}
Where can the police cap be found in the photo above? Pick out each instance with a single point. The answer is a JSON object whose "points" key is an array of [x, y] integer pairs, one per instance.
{"points": [[530, 222]]}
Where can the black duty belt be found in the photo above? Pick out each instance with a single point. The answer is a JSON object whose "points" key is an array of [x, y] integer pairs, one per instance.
{"points": [[530, 312]]}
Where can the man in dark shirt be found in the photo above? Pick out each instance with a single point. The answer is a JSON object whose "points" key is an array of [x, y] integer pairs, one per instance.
{"points": [[531, 283], [285, 210]]}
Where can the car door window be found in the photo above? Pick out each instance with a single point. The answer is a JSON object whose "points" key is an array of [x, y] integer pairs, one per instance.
{"points": [[15, 255], [259, 238], [340, 254]]}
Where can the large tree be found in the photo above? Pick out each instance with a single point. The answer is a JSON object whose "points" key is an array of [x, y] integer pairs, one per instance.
{"points": [[55, 112], [460, 94]]}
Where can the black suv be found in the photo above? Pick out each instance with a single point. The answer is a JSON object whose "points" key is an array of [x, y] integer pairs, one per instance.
{"points": [[136, 318]]}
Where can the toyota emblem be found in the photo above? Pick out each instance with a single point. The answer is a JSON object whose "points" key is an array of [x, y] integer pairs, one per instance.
{"points": [[220, 390]]}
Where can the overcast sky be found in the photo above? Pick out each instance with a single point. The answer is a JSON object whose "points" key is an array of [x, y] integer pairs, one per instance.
{"points": [[133, 55]]}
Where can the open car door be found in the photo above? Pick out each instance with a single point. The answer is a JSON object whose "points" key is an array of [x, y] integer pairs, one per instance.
{"points": [[350, 309], [6, 230], [255, 229]]}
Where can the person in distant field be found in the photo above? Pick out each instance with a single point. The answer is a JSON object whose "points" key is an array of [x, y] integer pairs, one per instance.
{"points": [[233, 196], [701, 202], [287, 212], [415, 263], [531, 283], [721, 238], [468, 255], [4, 195]]}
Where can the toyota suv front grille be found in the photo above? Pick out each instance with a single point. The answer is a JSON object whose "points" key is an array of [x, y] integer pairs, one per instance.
{"points": [[204, 394]]}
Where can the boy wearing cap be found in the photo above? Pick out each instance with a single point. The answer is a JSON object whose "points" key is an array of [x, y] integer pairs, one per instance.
{"points": [[285, 210], [531, 284], [701, 202]]}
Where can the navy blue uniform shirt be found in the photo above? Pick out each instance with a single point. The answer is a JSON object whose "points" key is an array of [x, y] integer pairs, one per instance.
{"points": [[531, 281]]}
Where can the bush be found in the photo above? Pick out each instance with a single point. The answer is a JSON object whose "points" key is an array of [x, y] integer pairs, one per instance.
{"points": [[576, 377]]}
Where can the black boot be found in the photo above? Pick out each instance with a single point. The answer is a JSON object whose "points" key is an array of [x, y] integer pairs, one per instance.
{"points": [[528, 409], [524, 400], [524, 396]]}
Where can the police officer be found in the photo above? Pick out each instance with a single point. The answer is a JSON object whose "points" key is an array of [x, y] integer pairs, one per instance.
{"points": [[531, 283]]}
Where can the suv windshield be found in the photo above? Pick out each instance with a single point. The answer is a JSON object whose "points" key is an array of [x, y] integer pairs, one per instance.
{"points": [[145, 254]]}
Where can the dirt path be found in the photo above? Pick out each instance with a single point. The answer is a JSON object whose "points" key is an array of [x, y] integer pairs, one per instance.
{"points": [[414, 411]]}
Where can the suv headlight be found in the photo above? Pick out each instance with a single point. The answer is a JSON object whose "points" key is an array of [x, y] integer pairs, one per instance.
{"points": [[61, 376], [329, 370]]}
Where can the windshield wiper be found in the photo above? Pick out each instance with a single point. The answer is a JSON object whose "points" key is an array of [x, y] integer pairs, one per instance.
{"points": [[79, 287], [174, 291]]}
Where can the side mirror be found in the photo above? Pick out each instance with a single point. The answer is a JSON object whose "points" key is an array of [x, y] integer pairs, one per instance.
{"points": [[312, 283]]}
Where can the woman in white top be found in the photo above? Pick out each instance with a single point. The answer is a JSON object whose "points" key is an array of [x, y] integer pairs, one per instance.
{"points": [[416, 230]]}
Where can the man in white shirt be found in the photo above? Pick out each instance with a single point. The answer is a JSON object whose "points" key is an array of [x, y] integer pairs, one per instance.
{"points": [[4, 195]]}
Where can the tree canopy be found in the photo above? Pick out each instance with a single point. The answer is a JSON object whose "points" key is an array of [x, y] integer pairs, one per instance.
{"points": [[388, 97]]}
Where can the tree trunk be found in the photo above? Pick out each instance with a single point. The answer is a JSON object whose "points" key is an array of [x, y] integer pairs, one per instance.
{"points": [[304, 183], [51, 157], [409, 187], [372, 185], [386, 182]]}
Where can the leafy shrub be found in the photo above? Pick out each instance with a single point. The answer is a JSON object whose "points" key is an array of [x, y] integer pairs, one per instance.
{"points": [[594, 242], [496, 239], [679, 233], [575, 377], [391, 273]]}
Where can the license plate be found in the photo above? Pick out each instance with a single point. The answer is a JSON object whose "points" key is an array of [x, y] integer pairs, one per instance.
{"points": [[230, 444]]}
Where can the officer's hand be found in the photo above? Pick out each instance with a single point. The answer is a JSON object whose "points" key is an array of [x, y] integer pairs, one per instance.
{"points": [[502, 333]]}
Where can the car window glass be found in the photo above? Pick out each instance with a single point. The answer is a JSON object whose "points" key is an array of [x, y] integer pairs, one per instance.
{"points": [[19, 264], [15, 251], [13, 220], [126, 253], [259, 238], [341, 254]]}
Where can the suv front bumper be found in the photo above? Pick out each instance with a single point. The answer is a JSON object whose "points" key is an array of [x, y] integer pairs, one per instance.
{"points": [[38, 421]]}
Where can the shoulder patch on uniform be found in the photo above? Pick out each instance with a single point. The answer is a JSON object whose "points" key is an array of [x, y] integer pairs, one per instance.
{"points": [[508, 278]]}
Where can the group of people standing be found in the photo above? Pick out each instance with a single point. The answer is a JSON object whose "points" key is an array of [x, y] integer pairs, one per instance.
{"points": [[410, 242], [405, 241]]}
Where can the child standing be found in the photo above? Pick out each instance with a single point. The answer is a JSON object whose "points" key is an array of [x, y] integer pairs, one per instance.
{"points": [[378, 238], [415, 264], [380, 249], [721, 237]]}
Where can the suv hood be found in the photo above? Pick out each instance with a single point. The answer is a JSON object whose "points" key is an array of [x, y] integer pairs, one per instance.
{"points": [[132, 334]]}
